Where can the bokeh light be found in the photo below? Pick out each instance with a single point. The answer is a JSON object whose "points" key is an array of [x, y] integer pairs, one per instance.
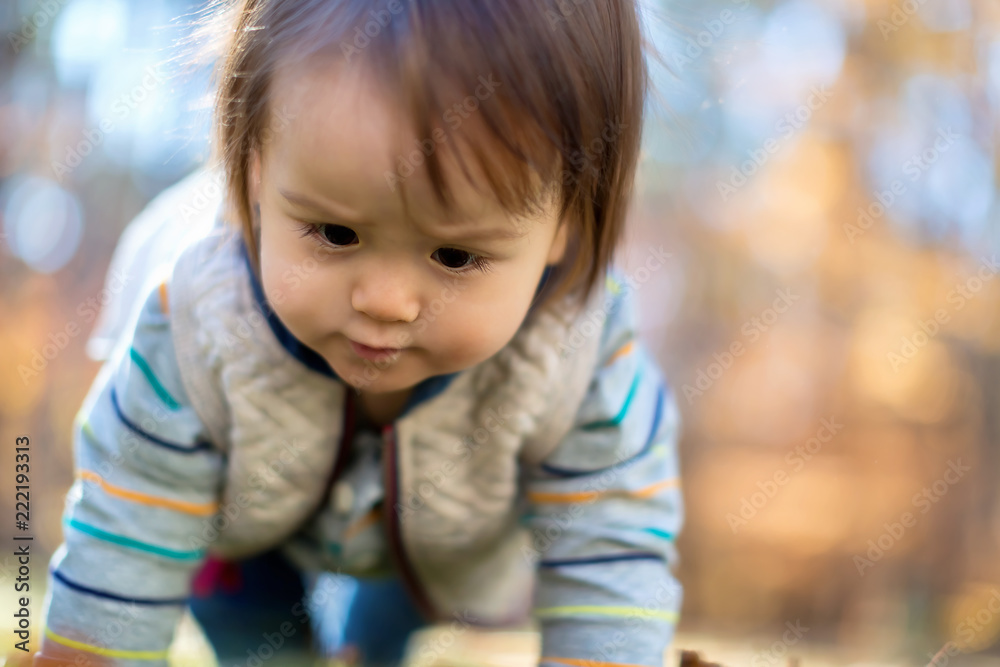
{"points": [[42, 222]]}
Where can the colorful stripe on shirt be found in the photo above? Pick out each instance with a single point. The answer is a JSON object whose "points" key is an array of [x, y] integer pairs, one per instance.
{"points": [[80, 588], [107, 652], [164, 304], [176, 447], [657, 417], [158, 387], [590, 496], [594, 560], [617, 419], [197, 509], [625, 349], [138, 545]]}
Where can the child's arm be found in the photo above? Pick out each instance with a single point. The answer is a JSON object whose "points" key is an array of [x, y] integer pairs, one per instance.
{"points": [[147, 485], [606, 508]]}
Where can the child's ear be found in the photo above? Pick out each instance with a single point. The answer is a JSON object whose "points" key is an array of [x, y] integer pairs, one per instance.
{"points": [[558, 247]]}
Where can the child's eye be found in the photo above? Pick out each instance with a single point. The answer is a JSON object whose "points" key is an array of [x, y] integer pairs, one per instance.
{"points": [[455, 259], [332, 234], [337, 234], [451, 258]]}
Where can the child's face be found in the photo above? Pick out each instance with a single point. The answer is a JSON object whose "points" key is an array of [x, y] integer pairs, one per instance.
{"points": [[446, 294]]}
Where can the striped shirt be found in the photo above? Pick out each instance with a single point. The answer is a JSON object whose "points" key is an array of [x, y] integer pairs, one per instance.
{"points": [[603, 509]]}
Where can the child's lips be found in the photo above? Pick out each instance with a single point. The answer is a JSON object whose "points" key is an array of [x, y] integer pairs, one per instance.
{"points": [[375, 353]]}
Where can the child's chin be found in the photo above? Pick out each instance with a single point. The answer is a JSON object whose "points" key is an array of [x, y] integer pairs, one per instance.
{"points": [[370, 378]]}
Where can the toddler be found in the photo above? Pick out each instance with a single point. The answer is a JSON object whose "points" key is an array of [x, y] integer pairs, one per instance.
{"points": [[398, 354]]}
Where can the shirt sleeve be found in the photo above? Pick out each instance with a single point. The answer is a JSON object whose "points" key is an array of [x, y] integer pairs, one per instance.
{"points": [[604, 510], [137, 519]]}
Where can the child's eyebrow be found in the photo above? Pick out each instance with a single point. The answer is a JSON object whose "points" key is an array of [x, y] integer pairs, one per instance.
{"points": [[506, 232], [304, 202]]}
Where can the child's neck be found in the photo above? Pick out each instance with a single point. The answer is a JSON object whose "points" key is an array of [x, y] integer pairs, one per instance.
{"points": [[381, 409]]}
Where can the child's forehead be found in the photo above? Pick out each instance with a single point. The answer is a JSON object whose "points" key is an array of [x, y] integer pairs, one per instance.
{"points": [[472, 216], [326, 112]]}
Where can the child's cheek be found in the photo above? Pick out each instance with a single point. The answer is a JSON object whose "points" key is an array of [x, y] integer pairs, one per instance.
{"points": [[475, 339]]}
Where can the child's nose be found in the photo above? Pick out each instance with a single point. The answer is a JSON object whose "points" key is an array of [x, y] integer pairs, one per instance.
{"points": [[384, 295]]}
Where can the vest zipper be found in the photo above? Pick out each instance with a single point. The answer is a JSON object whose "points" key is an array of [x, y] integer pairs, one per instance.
{"points": [[403, 565], [340, 461]]}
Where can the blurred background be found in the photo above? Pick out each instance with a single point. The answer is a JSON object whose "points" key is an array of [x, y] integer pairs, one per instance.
{"points": [[823, 175]]}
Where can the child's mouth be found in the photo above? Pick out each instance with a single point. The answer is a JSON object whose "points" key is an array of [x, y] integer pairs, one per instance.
{"points": [[375, 353]]}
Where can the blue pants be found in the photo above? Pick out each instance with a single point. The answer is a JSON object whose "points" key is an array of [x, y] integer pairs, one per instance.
{"points": [[264, 607]]}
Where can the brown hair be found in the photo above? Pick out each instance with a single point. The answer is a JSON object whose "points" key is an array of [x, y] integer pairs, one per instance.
{"points": [[566, 119]]}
